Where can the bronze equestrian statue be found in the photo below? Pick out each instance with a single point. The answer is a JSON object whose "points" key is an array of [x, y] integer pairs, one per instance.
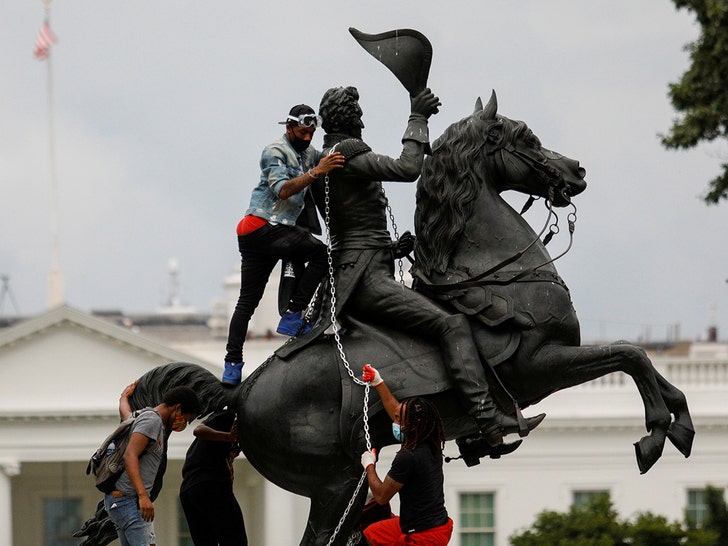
{"points": [[361, 251], [301, 413]]}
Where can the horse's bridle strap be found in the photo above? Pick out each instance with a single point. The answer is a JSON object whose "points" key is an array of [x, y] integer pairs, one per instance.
{"points": [[532, 274]]}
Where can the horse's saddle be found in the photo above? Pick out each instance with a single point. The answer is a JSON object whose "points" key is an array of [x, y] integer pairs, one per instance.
{"points": [[411, 366]]}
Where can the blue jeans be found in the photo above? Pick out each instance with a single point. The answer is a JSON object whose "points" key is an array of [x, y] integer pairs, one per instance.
{"points": [[131, 528]]}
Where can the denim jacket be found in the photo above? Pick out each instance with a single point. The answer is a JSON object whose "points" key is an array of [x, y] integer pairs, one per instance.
{"points": [[279, 162]]}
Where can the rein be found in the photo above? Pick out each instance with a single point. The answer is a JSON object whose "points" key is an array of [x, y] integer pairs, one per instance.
{"points": [[482, 278], [550, 176]]}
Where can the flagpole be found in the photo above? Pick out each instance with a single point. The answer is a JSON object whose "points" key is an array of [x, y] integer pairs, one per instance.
{"points": [[56, 286]]}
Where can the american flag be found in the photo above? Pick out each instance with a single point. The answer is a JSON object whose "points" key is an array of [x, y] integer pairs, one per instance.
{"points": [[43, 42]]}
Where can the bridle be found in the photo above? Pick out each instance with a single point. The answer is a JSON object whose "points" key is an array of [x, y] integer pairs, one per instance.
{"points": [[553, 178]]}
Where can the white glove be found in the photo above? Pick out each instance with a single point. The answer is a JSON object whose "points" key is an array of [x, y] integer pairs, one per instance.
{"points": [[371, 375], [368, 458]]}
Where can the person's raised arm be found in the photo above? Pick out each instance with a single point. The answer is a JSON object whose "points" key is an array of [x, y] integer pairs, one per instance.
{"points": [[391, 404], [325, 165], [125, 410], [205, 432]]}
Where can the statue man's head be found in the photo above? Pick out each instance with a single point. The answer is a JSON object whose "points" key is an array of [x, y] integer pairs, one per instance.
{"points": [[341, 112]]}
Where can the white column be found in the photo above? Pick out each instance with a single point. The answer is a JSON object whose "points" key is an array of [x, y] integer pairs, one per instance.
{"points": [[7, 470]]}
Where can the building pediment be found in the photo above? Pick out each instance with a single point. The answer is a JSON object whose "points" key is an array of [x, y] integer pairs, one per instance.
{"points": [[67, 362]]}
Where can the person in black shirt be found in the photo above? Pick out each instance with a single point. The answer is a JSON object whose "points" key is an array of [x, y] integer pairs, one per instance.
{"points": [[416, 473], [211, 509]]}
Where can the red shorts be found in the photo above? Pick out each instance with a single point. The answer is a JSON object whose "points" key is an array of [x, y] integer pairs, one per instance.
{"points": [[388, 533], [249, 224]]}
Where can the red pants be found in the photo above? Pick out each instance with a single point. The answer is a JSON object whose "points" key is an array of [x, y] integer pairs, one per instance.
{"points": [[388, 533]]}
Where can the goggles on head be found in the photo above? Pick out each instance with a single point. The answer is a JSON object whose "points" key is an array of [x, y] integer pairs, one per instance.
{"points": [[305, 120]]}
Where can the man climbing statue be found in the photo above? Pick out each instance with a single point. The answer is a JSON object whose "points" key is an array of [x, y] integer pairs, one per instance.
{"points": [[279, 224]]}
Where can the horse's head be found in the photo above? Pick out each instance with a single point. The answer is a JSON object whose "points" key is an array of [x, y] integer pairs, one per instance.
{"points": [[517, 160], [483, 150]]}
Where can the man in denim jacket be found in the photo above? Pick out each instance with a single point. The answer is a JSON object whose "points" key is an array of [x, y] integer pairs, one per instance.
{"points": [[278, 225]]}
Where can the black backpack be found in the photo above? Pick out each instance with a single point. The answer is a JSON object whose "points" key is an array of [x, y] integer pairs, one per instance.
{"points": [[107, 462]]}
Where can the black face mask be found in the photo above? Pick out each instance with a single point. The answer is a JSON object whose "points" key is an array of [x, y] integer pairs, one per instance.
{"points": [[299, 144]]}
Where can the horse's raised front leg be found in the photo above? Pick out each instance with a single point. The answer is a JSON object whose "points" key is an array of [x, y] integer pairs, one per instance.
{"points": [[329, 505], [681, 431], [558, 367]]}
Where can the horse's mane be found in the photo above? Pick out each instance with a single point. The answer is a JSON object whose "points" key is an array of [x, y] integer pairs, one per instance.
{"points": [[447, 189], [449, 185]]}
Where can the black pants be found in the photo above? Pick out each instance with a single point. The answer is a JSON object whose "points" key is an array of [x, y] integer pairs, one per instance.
{"points": [[213, 515], [260, 251]]}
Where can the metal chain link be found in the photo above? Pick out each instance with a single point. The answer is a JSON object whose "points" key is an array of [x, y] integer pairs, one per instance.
{"points": [[332, 284], [394, 229], [354, 538], [340, 348], [346, 512], [342, 355], [361, 479]]}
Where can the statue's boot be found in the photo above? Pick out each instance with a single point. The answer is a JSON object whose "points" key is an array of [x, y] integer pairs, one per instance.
{"points": [[474, 448], [506, 424], [465, 369]]}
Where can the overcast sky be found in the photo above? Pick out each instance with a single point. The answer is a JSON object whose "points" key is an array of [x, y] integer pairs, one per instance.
{"points": [[161, 110]]}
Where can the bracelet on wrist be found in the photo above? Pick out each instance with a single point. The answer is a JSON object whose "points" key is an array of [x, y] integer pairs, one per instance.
{"points": [[309, 173]]}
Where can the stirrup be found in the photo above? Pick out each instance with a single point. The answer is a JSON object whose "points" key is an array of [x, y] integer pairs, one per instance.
{"points": [[473, 448]]}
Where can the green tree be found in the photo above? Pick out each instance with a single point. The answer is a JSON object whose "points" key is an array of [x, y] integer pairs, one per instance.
{"points": [[597, 524], [717, 520], [651, 530], [594, 524], [701, 95]]}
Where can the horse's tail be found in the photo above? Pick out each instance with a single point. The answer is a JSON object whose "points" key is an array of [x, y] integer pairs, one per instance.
{"points": [[155, 383]]}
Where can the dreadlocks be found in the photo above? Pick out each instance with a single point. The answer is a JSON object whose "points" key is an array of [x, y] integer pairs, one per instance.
{"points": [[422, 424]]}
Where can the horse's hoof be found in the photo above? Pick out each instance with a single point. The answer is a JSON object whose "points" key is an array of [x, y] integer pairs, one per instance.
{"points": [[648, 450], [681, 437]]}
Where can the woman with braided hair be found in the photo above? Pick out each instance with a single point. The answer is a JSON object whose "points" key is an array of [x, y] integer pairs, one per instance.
{"points": [[416, 473]]}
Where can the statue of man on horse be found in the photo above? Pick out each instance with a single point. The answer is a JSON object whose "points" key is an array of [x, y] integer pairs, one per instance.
{"points": [[486, 291], [363, 261]]}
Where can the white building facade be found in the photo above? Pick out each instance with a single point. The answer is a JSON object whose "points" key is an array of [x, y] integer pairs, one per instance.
{"points": [[61, 375]]}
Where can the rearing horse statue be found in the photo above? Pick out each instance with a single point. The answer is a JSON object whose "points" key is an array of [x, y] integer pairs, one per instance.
{"points": [[301, 416]]}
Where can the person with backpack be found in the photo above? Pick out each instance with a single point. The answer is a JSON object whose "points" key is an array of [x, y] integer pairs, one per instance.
{"points": [[129, 505]]}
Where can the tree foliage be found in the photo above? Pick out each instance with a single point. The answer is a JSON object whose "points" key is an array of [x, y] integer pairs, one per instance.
{"points": [[595, 524], [717, 519], [598, 524], [701, 94]]}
